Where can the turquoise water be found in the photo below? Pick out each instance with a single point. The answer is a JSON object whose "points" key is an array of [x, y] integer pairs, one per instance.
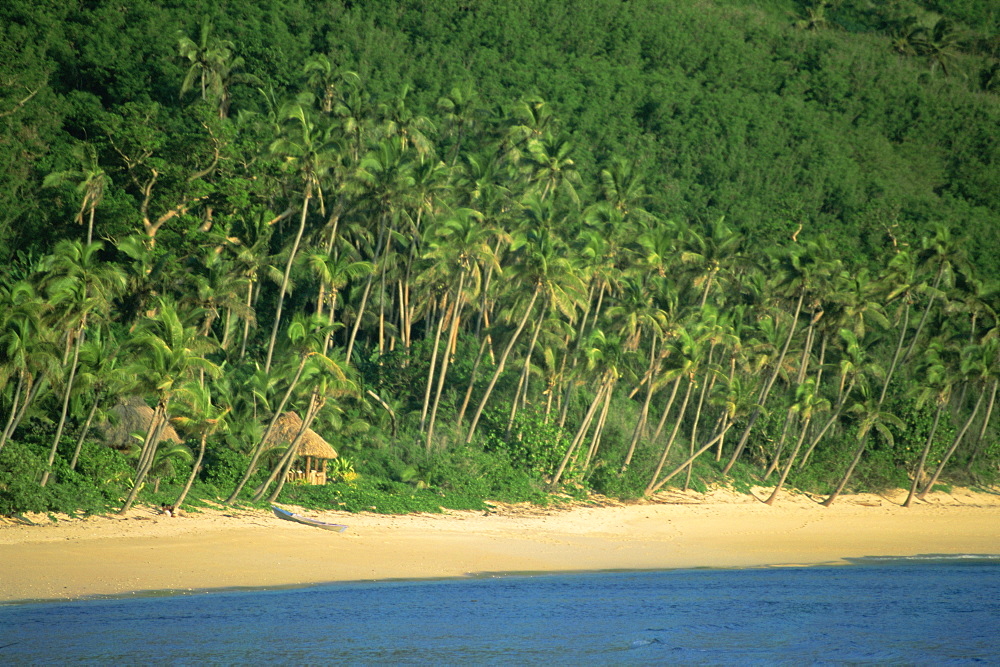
{"points": [[926, 611]]}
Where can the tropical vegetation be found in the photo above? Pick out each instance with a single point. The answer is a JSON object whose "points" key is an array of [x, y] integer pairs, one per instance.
{"points": [[497, 251]]}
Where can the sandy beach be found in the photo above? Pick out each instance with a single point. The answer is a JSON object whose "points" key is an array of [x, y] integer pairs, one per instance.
{"points": [[224, 548]]}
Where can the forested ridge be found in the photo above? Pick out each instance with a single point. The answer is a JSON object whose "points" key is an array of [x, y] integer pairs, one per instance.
{"points": [[496, 250]]}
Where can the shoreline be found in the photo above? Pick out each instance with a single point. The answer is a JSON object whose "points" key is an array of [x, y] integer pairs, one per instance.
{"points": [[147, 553]]}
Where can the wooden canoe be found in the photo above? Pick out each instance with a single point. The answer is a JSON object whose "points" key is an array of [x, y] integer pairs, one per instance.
{"points": [[298, 518]]}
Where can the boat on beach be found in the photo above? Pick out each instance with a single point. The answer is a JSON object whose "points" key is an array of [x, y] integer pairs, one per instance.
{"points": [[298, 518]]}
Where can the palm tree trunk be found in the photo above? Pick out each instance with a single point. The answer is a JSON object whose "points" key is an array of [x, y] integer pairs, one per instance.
{"points": [[598, 432], [281, 468], [982, 431], [147, 453], [430, 372], [367, 291], [7, 430], [670, 440], [65, 404], [705, 387], [259, 449], [522, 382], [246, 320], [452, 335], [653, 488], [767, 389], [847, 475], [923, 317], [581, 432], [287, 276], [788, 466], [666, 409], [83, 433], [194, 473], [725, 424], [776, 459], [951, 450], [640, 423], [500, 365], [90, 224], [30, 392], [472, 382], [919, 472]]}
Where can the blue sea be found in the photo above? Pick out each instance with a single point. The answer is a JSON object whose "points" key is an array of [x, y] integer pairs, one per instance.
{"points": [[924, 611]]}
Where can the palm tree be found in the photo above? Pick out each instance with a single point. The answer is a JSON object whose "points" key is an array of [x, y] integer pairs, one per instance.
{"points": [[977, 368], [935, 387], [855, 368], [814, 16], [409, 129], [168, 354], [604, 364], [106, 375], [213, 66], [873, 417], [942, 255], [460, 244], [307, 152], [713, 257], [462, 110], [307, 337], [938, 44], [640, 318], [89, 287], [551, 167], [807, 403], [27, 350], [689, 352], [202, 418], [540, 262], [89, 179], [324, 77], [325, 378], [799, 270]]}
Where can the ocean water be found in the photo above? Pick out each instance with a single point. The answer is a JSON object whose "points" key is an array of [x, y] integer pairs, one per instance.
{"points": [[923, 611]]}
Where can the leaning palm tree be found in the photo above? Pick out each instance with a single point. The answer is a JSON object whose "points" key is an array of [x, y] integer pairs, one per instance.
{"points": [[326, 378], [27, 350], [807, 404], [167, 354], [307, 338], [541, 264], [200, 416], [935, 387], [978, 369], [83, 286], [307, 152], [873, 417]]}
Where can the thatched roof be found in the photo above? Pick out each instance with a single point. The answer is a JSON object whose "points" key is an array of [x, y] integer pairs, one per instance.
{"points": [[134, 416], [311, 443]]}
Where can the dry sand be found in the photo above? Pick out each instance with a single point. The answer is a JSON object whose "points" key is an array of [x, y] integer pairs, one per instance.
{"points": [[148, 551]]}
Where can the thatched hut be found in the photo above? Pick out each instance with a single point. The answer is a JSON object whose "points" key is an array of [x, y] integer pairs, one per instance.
{"points": [[314, 450], [133, 416]]}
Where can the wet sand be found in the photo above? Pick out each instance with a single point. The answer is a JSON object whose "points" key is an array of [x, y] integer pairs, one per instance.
{"points": [[225, 548]]}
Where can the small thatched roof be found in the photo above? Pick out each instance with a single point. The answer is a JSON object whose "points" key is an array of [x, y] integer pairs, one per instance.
{"points": [[133, 416], [311, 443]]}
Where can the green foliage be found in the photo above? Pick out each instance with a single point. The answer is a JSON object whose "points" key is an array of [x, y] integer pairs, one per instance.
{"points": [[534, 446], [93, 489], [618, 204]]}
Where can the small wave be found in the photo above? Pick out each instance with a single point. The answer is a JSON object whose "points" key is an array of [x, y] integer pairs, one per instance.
{"points": [[926, 558]]}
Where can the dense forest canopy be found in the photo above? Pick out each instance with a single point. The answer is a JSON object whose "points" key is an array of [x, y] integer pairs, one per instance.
{"points": [[486, 246]]}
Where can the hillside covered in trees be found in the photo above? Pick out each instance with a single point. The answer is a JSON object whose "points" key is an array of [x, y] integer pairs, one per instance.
{"points": [[493, 250]]}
